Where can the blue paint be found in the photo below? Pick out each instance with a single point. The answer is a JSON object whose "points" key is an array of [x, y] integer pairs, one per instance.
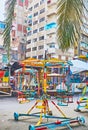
{"points": [[2, 25], [50, 26], [30, 16]]}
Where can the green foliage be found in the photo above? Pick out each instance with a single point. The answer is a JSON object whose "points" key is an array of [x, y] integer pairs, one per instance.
{"points": [[70, 15], [8, 21]]}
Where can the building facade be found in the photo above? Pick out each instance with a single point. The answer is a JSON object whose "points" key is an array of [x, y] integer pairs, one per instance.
{"points": [[18, 30], [84, 33], [41, 32], [3, 57], [34, 30]]}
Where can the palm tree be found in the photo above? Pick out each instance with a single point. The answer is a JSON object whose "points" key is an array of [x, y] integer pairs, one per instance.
{"points": [[8, 21], [6, 33], [70, 18]]}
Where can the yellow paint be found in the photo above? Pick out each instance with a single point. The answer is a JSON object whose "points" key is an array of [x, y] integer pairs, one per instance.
{"points": [[40, 107], [5, 79], [86, 106], [40, 120]]}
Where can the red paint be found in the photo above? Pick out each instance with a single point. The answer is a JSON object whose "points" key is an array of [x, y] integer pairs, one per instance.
{"points": [[44, 75], [20, 3], [26, 2], [75, 121], [19, 27], [78, 102], [42, 128], [24, 29], [2, 74], [58, 122]]}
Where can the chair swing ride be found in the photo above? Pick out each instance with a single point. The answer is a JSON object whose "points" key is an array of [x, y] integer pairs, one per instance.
{"points": [[42, 103]]}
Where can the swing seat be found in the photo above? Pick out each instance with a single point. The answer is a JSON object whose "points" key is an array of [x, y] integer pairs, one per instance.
{"points": [[84, 99], [86, 106], [40, 107]]}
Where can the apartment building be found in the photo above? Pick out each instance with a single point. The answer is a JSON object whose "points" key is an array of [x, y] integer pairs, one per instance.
{"points": [[84, 42], [35, 21], [3, 57], [18, 30], [41, 32], [84, 34]]}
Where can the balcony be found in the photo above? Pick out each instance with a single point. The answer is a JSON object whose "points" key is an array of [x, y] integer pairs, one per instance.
{"points": [[34, 53], [28, 54], [51, 12], [52, 19], [28, 46], [51, 50], [51, 2], [40, 52], [51, 31], [51, 39]]}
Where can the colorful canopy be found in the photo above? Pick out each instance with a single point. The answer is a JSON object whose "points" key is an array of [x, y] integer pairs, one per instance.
{"points": [[41, 63], [78, 66], [85, 57]]}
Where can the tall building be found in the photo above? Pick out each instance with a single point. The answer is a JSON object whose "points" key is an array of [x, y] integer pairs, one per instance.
{"points": [[34, 30], [84, 33], [41, 31], [18, 30], [3, 59]]}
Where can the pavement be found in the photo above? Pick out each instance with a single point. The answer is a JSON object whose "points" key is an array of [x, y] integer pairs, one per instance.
{"points": [[9, 105]]}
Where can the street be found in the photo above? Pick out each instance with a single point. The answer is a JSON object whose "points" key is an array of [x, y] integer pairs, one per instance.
{"points": [[9, 105]]}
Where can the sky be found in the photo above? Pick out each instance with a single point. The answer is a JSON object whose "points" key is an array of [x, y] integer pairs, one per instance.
{"points": [[2, 10]]}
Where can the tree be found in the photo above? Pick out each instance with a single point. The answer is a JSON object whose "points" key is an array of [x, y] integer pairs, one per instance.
{"points": [[8, 22], [70, 18]]}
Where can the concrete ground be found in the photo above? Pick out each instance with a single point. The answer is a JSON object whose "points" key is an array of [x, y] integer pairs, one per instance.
{"points": [[9, 105]]}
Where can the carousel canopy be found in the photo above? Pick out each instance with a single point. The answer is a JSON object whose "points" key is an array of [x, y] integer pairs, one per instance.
{"points": [[78, 66], [41, 63]]}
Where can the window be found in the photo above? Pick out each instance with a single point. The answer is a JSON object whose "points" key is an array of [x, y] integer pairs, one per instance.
{"points": [[35, 14], [34, 56], [14, 56], [52, 45], [36, 5], [34, 48], [41, 47], [29, 50], [40, 57], [42, 1], [35, 40], [30, 22], [25, 21], [41, 38], [35, 31], [30, 9], [29, 41], [23, 47], [41, 29], [42, 19], [29, 33], [42, 10], [35, 22]]}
